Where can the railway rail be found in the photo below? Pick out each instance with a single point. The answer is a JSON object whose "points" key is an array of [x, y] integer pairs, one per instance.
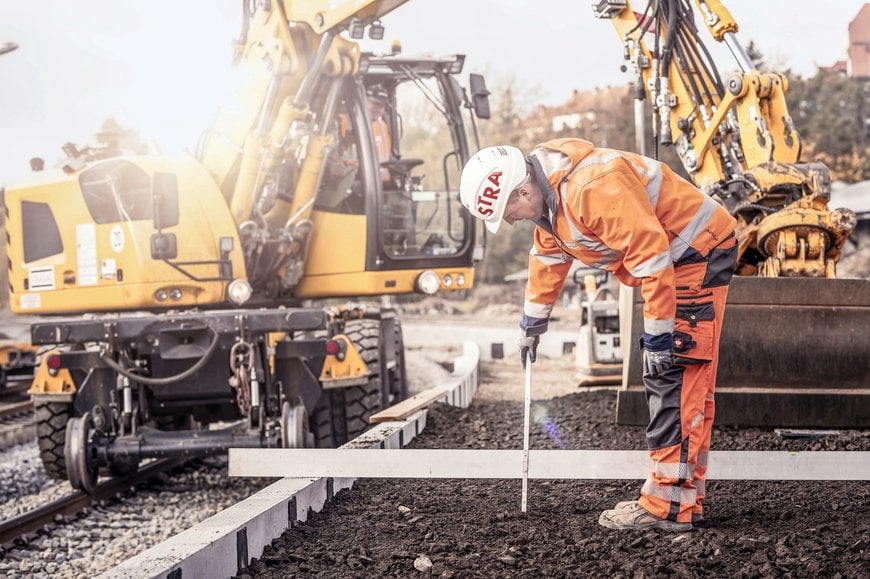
{"points": [[16, 423], [54, 512], [48, 514]]}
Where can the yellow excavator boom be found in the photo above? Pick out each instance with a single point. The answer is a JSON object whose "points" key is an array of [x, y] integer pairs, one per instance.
{"points": [[733, 135]]}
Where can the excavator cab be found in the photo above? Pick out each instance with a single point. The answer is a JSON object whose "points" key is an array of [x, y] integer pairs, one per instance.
{"points": [[391, 178]]}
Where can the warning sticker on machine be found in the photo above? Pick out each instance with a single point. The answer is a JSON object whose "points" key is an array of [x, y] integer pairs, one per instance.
{"points": [[86, 247], [40, 278], [108, 269], [116, 239]]}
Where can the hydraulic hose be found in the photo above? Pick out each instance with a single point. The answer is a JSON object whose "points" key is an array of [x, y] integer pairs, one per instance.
{"points": [[169, 379]]}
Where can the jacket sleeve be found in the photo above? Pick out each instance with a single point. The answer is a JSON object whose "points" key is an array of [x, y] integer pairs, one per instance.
{"points": [[548, 268], [615, 207]]}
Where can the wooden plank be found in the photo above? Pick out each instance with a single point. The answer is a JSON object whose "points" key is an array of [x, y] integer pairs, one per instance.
{"points": [[543, 464], [407, 407]]}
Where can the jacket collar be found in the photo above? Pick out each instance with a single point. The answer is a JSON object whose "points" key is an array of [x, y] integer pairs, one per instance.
{"points": [[540, 180]]}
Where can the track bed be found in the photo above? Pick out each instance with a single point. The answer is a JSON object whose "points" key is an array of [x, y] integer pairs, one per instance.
{"points": [[475, 528]]}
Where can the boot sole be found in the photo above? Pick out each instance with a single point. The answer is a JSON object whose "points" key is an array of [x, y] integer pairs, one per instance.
{"points": [[696, 518], [662, 525]]}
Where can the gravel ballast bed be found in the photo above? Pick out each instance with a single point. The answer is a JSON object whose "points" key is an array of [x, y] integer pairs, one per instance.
{"points": [[111, 531], [475, 528]]}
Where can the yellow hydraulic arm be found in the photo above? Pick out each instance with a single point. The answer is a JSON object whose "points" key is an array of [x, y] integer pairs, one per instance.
{"points": [[734, 136], [267, 148]]}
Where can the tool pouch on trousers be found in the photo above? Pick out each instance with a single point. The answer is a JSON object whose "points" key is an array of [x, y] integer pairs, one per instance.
{"points": [[693, 333], [721, 263]]}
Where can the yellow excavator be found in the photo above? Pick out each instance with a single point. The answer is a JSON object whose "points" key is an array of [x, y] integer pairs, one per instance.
{"points": [[185, 284], [793, 351]]}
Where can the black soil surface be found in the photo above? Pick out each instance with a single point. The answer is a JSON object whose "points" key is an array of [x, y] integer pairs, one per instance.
{"points": [[461, 528]]}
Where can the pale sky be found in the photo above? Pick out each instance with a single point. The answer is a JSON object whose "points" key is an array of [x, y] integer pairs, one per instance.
{"points": [[162, 66]]}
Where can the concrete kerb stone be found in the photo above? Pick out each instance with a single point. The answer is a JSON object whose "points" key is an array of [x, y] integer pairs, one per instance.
{"points": [[211, 548], [420, 334]]}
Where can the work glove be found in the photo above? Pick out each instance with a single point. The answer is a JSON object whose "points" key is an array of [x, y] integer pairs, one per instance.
{"points": [[528, 344], [655, 364]]}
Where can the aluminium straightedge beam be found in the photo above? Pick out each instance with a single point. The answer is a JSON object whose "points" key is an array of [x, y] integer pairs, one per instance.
{"points": [[543, 464]]}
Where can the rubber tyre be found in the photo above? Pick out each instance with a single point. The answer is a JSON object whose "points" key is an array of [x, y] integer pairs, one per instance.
{"points": [[51, 420], [398, 378], [343, 414]]}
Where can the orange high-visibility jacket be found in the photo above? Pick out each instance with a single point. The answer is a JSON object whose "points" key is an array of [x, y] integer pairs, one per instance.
{"points": [[621, 212], [383, 142]]}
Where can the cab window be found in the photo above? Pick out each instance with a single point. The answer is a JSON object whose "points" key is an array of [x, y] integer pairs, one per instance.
{"points": [[342, 188]]}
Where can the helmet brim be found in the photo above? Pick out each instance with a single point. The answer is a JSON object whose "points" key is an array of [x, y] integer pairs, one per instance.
{"points": [[492, 226]]}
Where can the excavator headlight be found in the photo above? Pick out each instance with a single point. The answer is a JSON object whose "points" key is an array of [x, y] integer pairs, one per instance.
{"points": [[239, 291], [428, 282], [460, 279], [356, 28], [161, 295], [447, 280], [175, 294], [376, 30]]}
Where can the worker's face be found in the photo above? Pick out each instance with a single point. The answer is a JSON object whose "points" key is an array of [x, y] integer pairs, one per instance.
{"points": [[524, 203]]}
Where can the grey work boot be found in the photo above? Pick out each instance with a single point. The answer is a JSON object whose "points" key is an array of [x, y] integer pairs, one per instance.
{"points": [[634, 517], [696, 517]]}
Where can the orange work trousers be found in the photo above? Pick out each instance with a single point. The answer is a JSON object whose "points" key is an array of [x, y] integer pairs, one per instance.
{"points": [[681, 403]]}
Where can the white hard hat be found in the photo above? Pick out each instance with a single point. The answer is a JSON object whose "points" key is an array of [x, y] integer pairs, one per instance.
{"points": [[487, 181]]}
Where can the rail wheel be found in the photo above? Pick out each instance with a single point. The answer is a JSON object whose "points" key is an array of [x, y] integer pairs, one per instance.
{"points": [[81, 471], [51, 419], [294, 427]]}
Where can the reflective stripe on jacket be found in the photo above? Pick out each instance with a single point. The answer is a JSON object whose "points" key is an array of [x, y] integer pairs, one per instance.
{"points": [[383, 142], [621, 212]]}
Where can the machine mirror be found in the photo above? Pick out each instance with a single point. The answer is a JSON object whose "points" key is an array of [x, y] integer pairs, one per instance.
{"points": [[164, 188], [479, 95]]}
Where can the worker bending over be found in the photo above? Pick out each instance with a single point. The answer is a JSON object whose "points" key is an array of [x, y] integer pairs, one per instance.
{"points": [[635, 218]]}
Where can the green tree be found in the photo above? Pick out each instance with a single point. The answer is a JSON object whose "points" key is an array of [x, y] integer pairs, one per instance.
{"points": [[755, 55], [827, 112]]}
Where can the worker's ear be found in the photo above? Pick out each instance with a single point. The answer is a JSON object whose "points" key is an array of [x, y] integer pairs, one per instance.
{"points": [[524, 192]]}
